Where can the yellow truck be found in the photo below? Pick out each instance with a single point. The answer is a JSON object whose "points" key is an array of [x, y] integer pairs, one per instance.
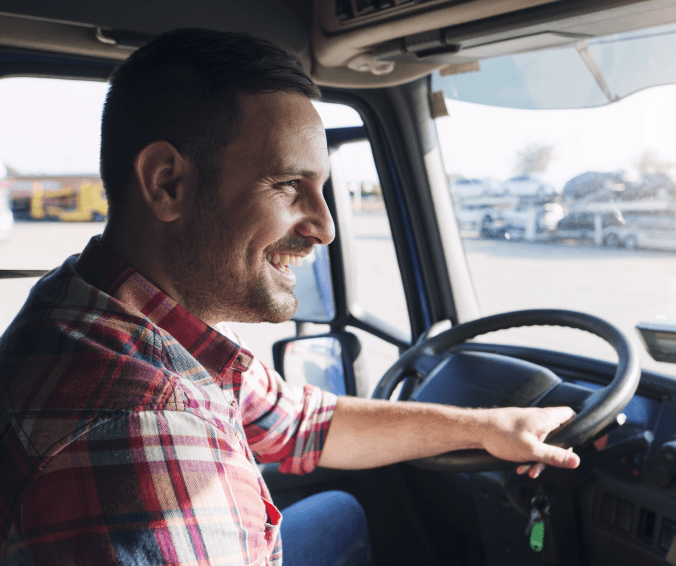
{"points": [[90, 205], [66, 199]]}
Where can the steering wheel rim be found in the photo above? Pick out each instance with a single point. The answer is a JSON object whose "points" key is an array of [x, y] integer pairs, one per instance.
{"points": [[598, 410]]}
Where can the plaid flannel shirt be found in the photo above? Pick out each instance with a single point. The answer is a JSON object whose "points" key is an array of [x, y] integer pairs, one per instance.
{"points": [[129, 428]]}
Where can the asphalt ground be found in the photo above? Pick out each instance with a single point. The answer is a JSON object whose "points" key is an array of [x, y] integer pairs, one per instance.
{"points": [[622, 286]]}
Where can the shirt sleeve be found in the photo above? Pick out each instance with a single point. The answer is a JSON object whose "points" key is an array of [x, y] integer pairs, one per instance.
{"points": [[155, 487], [284, 423]]}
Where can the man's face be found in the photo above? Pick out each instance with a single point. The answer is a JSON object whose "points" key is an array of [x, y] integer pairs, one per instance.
{"points": [[230, 258]]}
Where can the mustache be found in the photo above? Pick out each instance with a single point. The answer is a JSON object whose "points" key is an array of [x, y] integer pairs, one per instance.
{"points": [[290, 244]]}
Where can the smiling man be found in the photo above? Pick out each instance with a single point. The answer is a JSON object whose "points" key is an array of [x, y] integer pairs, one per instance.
{"points": [[133, 417]]}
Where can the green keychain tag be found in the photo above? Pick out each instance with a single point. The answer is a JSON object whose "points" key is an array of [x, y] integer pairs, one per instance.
{"points": [[537, 536]]}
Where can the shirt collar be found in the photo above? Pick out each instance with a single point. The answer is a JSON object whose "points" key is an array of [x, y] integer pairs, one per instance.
{"points": [[215, 352]]}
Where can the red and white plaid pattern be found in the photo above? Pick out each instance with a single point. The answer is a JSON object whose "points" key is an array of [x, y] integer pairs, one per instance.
{"points": [[130, 430]]}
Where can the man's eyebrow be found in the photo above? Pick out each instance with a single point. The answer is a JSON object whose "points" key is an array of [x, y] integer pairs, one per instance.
{"points": [[307, 173]]}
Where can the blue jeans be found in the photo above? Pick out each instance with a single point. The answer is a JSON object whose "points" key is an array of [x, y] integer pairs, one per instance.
{"points": [[326, 529]]}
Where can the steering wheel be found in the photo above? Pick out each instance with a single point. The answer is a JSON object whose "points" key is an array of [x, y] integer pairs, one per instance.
{"points": [[596, 412]]}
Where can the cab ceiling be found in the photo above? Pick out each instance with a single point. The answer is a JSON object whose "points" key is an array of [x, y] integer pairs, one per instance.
{"points": [[377, 43]]}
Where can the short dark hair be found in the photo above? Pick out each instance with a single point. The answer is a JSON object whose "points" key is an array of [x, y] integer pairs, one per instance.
{"points": [[184, 88]]}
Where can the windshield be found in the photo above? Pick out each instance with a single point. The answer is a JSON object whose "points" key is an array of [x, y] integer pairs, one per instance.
{"points": [[572, 209], [584, 73]]}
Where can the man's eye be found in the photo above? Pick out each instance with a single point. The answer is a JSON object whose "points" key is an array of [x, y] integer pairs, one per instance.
{"points": [[293, 184]]}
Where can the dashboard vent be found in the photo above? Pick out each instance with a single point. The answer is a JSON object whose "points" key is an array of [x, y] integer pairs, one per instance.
{"points": [[350, 10]]}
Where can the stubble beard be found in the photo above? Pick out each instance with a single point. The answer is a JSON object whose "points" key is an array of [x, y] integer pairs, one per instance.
{"points": [[204, 276]]}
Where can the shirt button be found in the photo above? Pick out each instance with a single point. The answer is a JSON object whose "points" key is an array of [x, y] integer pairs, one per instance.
{"points": [[238, 360], [232, 403]]}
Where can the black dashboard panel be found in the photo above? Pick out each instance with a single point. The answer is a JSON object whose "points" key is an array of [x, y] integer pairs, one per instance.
{"points": [[630, 504]]}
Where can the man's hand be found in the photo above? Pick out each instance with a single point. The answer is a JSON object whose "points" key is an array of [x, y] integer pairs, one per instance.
{"points": [[518, 435]]}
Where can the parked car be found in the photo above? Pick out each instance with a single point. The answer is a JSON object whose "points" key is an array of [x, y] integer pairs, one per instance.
{"points": [[656, 230], [592, 184], [474, 188], [528, 186], [582, 225], [651, 186]]}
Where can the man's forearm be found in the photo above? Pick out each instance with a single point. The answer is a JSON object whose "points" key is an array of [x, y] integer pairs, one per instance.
{"points": [[369, 433]]}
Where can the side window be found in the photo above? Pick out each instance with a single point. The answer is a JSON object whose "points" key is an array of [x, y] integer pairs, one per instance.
{"points": [[378, 285], [51, 198]]}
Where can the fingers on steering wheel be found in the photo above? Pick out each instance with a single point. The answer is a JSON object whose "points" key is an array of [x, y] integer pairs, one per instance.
{"points": [[534, 470], [571, 460], [523, 468]]}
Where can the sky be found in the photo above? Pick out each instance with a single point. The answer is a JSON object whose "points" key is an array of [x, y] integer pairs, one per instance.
{"points": [[54, 128], [481, 141]]}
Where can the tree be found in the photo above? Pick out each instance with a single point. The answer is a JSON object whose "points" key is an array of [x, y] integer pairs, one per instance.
{"points": [[534, 158], [650, 163]]}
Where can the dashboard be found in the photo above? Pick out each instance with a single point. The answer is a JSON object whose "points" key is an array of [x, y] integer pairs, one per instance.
{"points": [[630, 502], [618, 508]]}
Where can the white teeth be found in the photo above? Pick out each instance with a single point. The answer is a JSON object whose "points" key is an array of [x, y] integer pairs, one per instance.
{"points": [[284, 260]]}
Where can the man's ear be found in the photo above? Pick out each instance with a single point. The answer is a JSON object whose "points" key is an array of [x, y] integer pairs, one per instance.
{"points": [[164, 177]]}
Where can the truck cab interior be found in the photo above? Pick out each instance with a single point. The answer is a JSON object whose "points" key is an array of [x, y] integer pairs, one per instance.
{"points": [[431, 292]]}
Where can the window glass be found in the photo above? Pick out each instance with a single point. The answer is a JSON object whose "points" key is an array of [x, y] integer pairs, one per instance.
{"points": [[571, 209], [49, 156], [379, 287]]}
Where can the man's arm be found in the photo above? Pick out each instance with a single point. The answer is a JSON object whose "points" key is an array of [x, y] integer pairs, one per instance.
{"points": [[366, 433]]}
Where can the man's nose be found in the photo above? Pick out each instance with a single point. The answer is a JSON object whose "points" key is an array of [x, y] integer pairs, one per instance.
{"points": [[318, 224]]}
